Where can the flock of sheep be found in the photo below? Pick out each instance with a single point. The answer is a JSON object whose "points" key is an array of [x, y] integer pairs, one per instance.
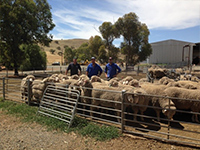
{"points": [[139, 94]]}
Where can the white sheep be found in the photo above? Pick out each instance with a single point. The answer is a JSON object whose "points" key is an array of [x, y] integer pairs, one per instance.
{"points": [[96, 79], [126, 80], [167, 106], [182, 104], [165, 80], [131, 97], [38, 88], [24, 86], [75, 76]]}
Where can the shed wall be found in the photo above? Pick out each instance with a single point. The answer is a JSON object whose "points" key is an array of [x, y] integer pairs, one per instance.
{"points": [[169, 51]]}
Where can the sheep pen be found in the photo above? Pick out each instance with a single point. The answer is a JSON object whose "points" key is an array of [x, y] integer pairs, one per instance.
{"points": [[120, 108]]}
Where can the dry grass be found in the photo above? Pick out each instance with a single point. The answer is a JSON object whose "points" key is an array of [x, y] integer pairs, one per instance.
{"points": [[55, 44]]}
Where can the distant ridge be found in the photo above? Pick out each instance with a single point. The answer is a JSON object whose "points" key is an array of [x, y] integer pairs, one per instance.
{"points": [[58, 46]]}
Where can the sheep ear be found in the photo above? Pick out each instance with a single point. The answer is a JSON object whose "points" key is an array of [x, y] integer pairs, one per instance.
{"points": [[164, 111]]}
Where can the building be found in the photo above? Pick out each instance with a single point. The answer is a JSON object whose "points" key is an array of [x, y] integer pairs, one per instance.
{"points": [[173, 52]]}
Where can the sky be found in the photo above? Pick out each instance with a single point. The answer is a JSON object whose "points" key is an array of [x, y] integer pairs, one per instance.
{"points": [[165, 19]]}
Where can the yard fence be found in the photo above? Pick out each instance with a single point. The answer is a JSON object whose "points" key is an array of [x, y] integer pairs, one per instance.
{"points": [[116, 113]]}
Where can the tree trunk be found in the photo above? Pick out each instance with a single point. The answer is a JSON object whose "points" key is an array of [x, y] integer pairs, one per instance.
{"points": [[16, 69]]}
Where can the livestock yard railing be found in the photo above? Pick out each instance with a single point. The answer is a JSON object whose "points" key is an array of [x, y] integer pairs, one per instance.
{"points": [[121, 112], [57, 104]]}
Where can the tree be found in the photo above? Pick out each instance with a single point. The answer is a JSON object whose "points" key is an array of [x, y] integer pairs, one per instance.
{"points": [[52, 51], [34, 58], [135, 44], [83, 52], [110, 33], [94, 44], [69, 54], [24, 22], [102, 54]]}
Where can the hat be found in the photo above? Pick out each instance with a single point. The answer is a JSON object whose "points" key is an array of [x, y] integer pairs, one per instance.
{"points": [[110, 57], [93, 58], [75, 58]]}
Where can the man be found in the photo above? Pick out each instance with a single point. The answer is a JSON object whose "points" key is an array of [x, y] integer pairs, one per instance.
{"points": [[74, 67], [93, 69], [111, 69]]}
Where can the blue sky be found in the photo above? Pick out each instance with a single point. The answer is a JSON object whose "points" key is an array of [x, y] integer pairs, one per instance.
{"points": [[166, 19]]}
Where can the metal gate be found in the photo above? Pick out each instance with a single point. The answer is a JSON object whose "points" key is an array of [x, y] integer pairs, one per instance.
{"points": [[60, 103]]}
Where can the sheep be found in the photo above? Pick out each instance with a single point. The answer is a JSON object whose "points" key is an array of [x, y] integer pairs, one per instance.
{"points": [[134, 83], [24, 86], [179, 70], [75, 76], [130, 97], [181, 104], [165, 80], [83, 77], [157, 72], [96, 79], [62, 77], [38, 88], [188, 84], [126, 80], [139, 99], [143, 80], [86, 91], [113, 83], [173, 84], [167, 106], [194, 79]]}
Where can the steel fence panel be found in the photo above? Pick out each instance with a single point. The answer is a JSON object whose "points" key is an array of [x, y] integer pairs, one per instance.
{"points": [[55, 103]]}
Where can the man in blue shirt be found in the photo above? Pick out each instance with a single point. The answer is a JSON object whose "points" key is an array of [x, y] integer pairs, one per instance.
{"points": [[93, 69], [111, 69]]}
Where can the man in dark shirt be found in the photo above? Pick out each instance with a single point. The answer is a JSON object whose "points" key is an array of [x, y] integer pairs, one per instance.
{"points": [[74, 67]]}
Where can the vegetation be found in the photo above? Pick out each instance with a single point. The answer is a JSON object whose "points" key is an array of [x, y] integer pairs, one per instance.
{"points": [[34, 58], [81, 126], [23, 22], [52, 51], [135, 34], [109, 33], [135, 44]]}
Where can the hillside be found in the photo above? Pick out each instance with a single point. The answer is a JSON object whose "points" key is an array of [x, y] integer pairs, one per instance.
{"points": [[58, 46]]}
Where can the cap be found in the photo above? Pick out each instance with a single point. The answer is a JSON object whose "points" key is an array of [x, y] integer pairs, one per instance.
{"points": [[93, 58], [110, 57], [75, 58]]}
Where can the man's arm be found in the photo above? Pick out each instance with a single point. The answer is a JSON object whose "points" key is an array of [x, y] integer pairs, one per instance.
{"points": [[100, 71], [79, 67], [106, 71], [118, 70], [69, 67]]}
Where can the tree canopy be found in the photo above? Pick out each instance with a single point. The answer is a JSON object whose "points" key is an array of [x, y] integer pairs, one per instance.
{"points": [[135, 38], [33, 53], [23, 22]]}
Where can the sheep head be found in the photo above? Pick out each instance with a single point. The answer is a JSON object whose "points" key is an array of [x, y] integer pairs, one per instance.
{"points": [[169, 111]]}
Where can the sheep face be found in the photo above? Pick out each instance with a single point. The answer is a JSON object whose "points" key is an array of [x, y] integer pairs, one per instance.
{"points": [[169, 112]]}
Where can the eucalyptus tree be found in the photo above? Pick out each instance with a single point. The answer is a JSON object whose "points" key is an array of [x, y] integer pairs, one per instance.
{"points": [[109, 33], [135, 34], [24, 22]]}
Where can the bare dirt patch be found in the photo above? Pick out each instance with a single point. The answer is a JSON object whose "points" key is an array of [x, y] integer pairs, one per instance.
{"points": [[15, 134]]}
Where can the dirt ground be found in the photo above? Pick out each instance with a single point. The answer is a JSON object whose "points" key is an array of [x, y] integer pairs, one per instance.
{"points": [[17, 135]]}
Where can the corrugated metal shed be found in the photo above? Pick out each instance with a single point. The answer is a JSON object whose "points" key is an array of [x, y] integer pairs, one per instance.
{"points": [[170, 51]]}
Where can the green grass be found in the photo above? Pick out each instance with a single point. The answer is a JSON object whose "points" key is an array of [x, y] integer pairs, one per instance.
{"points": [[81, 126]]}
